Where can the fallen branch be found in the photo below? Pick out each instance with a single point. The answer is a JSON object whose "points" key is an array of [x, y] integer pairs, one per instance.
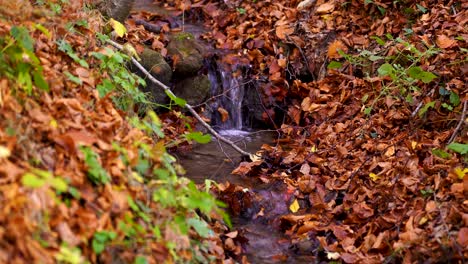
{"points": [[462, 120], [189, 107]]}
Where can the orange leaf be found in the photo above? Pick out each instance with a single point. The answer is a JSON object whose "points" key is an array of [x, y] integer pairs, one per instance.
{"points": [[444, 42], [284, 30], [224, 114], [334, 47]]}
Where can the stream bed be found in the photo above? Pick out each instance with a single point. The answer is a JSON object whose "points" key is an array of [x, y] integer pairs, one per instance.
{"points": [[260, 222]]}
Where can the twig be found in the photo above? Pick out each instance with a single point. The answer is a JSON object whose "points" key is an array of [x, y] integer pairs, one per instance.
{"points": [[462, 120], [189, 107]]}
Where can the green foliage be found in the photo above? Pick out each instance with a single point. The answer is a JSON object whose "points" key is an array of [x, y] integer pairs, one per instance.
{"points": [[121, 81], [96, 172], [198, 137], [101, 239], [38, 178], [18, 61], [65, 47], [69, 255], [177, 100], [459, 148], [401, 72], [151, 124], [55, 7], [440, 153]]}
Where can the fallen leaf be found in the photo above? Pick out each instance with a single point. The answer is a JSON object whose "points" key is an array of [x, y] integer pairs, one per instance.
{"points": [[445, 42], [294, 207], [224, 114], [325, 8]]}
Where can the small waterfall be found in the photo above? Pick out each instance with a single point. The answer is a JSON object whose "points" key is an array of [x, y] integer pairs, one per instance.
{"points": [[228, 94]]}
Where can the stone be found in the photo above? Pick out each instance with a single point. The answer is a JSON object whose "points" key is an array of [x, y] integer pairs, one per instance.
{"points": [[116, 9], [194, 89], [154, 62], [186, 53]]}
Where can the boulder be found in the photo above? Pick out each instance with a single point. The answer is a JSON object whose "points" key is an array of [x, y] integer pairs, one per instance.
{"points": [[186, 53], [154, 62], [116, 9], [195, 89]]}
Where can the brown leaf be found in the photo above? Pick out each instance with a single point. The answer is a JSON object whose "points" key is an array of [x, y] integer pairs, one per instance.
{"points": [[224, 114], [325, 8], [462, 237], [445, 42], [362, 210], [282, 31]]}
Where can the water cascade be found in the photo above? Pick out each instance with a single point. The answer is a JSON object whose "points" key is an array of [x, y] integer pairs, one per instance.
{"points": [[228, 94]]}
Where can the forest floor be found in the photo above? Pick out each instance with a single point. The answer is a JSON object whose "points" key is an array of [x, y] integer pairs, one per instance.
{"points": [[372, 100]]}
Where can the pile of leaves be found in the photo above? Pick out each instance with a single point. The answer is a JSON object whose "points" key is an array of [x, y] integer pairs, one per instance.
{"points": [[374, 143], [82, 177]]}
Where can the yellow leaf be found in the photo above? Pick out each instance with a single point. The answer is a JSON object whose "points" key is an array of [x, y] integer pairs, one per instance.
{"points": [[130, 51], [373, 176], [53, 123], [118, 27], [313, 149], [458, 171], [294, 207], [137, 177], [414, 144], [4, 152], [423, 220]]}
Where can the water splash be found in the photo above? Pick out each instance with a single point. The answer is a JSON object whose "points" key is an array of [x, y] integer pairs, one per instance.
{"points": [[228, 92]]}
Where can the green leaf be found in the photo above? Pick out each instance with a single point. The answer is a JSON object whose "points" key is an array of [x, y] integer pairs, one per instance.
{"points": [[199, 137], [459, 148], [73, 78], [440, 153], [59, 184], [454, 99], [426, 107], [417, 73], [21, 35], [421, 8], [179, 101], [378, 40], [32, 181], [44, 30], [140, 260], [334, 65], [39, 81], [200, 226], [119, 29], [386, 69]]}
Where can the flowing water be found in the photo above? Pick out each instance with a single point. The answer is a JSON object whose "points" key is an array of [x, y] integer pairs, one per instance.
{"points": [[229, 93]]}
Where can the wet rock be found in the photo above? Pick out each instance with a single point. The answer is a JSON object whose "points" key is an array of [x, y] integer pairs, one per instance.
{"points": [[117, 9], [154, 62], [194, 89], [186, 53], [253, 108]]}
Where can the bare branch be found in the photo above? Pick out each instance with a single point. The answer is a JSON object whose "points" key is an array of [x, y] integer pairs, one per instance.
{"points": [[462, 120]]}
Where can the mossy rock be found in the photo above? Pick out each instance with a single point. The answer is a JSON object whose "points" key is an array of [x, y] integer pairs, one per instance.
{"points": [[154, 62], [194, 89], [187, 54], [116, 9]]}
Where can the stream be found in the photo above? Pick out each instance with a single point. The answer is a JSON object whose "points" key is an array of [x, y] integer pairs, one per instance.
{"points": [[215, 161]]}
